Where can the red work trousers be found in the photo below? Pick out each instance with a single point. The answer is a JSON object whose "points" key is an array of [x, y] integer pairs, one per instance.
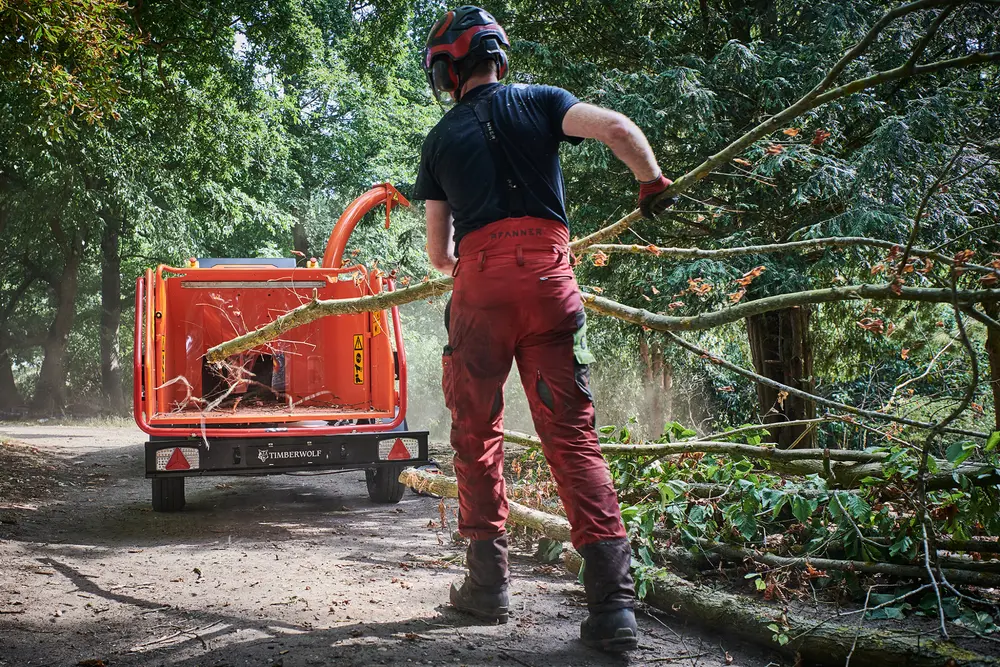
{"points": [[515, 297]]}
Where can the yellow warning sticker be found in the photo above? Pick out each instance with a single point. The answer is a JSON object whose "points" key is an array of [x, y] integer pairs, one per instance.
{"points": [[376, 326], [359, 359]]}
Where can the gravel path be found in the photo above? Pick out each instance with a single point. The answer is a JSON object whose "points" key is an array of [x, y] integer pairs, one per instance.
{"points": [[283, 570]]}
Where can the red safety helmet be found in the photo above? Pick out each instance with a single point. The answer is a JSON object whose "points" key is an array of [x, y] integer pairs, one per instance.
{"points": [[459, 39]]}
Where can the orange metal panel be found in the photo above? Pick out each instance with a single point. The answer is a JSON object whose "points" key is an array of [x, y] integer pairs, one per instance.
{"points": [[312, 367], [149, 371]]}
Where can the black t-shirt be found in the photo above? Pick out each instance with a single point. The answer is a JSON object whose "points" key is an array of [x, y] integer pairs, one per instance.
{"points": [[456, 163]]}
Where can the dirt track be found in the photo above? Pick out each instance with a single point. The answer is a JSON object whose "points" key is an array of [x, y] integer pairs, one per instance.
{"points": [[259, 571]]}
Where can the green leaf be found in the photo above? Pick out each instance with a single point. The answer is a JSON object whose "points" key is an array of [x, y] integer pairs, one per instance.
{"points": [[977, 621], [855, 506], [549, 550], [993, 441], [778, 505], [645, 556], [802, 509], [959, 452], [760, 584]]}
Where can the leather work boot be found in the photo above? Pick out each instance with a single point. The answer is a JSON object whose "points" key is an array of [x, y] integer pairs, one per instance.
{"points": [[610, 597], [483, 594]]}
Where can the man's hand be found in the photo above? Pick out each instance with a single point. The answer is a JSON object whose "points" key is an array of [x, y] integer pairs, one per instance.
{"points": [[648, 190]]}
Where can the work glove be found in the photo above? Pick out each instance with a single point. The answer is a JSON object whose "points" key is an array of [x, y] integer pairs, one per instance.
{"points": [[647, 193]]}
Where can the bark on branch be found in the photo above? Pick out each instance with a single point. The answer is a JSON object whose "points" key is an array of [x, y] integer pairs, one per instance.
{"points": [[954, 575], [747, 451], [846, 468], [550, 525], [644, 318], [318, 308]]}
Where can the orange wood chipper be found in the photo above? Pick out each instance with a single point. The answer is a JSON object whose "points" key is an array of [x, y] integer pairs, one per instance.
{"points": [[326, 396]]}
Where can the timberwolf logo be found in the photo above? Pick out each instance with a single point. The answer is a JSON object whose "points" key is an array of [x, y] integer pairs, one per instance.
{"points": [[271, 455]]}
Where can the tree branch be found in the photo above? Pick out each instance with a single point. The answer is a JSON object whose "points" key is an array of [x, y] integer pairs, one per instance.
{"points": [[738, 312], [760, 453], [814, 98], [931, 191], [318, 308], [921, 46], [732, 552]]}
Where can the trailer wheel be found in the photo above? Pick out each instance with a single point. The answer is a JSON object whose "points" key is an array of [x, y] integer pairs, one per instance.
{"points": [[168, 494], [384, 485]]}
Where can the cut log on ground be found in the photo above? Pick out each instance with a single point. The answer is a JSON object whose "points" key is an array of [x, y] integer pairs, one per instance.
{"points": [[817, 642], [550, 525]]}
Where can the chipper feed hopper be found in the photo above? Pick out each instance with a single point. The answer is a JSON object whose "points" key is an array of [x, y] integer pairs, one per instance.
{"points": [[326, 396]]}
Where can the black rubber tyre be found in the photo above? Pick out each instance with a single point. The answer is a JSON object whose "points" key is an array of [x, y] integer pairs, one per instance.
{"points": [[168, 494], [384, 485]]}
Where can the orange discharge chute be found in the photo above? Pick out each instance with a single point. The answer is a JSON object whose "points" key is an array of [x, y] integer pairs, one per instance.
{"points": [[385, 193]]}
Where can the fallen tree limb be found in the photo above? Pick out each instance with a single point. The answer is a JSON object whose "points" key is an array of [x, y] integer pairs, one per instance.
{"points": [[550, 525], [745, 309], [820, 643], [850, 476], [317, 308], [521, 439], [758, 452], [973, 545], [847, 467], [955, 575]]}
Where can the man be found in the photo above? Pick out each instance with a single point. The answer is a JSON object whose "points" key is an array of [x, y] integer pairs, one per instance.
{"points": [[496, 220]]}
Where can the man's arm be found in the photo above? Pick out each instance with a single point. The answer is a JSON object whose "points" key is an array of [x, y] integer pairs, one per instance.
{"points": [[629, 145], [439, 235], [617, 132]]}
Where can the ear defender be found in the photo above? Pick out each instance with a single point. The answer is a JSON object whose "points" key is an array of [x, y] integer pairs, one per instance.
{"points": [[502, 65]]}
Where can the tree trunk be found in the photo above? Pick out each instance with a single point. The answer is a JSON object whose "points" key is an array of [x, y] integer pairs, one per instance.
{"points": [[50, 393], [779, 344], [993, 351], [111, 313], [10, 397]]}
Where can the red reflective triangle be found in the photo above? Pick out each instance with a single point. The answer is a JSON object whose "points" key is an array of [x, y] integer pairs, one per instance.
{"points": [[398, 452], [178, 462]]}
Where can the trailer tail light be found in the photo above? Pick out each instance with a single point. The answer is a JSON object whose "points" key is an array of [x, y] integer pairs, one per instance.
{"points": [[177, 458], [398, 449]]}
